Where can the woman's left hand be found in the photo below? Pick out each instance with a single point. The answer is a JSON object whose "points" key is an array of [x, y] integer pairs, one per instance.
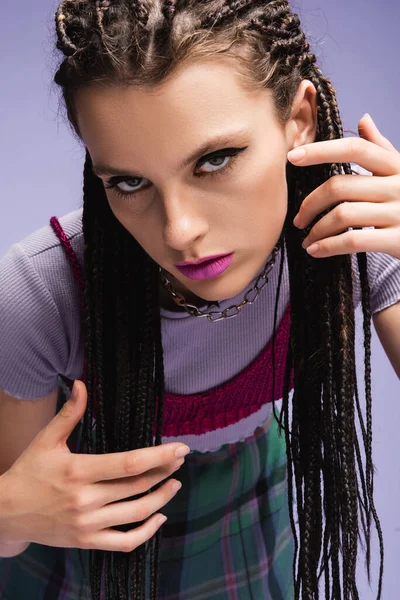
{"points": [[366, 201]]}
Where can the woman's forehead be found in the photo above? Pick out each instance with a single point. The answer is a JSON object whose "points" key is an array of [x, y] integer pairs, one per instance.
{"points": [[167, 140], [200, 90]]}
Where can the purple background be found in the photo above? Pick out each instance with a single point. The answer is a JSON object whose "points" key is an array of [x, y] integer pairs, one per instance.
{"points": [[41, 171]]}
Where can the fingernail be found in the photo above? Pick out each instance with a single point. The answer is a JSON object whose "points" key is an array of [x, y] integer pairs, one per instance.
{"points": [[182, 451], [178, 464], [368, 116], [161, 520], [176, 486], [296, 220], [296, 154], [313, 249], [74, 393]]}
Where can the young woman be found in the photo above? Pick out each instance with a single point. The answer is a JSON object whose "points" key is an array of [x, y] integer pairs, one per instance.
{"points": [[187, 113]]}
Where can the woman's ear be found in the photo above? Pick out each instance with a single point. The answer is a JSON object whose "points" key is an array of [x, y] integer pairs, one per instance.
{"points": [[302, 127]]}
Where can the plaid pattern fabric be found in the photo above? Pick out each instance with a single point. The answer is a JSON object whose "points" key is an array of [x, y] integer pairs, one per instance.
{"points": [[227, 537]]}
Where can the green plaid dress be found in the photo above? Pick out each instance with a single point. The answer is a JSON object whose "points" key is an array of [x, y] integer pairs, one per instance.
{"points": [[227, 537]]}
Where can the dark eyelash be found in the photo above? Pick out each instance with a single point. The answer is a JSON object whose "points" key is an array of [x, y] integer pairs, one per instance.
{"points": [[231, 152]]}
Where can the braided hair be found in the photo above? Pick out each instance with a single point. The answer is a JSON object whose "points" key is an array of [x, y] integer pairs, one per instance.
{"points": [[142, 42]]}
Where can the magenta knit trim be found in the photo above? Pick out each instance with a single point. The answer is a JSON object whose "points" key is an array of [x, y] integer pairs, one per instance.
{"points": [[222, 405], [78, 275], [235, 399]]}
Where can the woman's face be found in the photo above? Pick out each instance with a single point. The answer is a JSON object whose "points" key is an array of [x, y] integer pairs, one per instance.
{"points": [[180, 203]]}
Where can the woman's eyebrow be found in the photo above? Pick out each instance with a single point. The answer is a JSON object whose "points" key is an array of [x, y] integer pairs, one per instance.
{"points": [[218, 141]]}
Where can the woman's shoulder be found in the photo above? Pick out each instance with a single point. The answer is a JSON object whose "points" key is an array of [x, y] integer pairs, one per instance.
{"points": [[44, 240], [42, 255], [39, 309]]}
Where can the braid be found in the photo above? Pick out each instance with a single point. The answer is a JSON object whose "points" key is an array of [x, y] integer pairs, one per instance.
{"points": [[168, 10], [345, 422], [362, 263], [101, 7], [227, 11], [140, 13], [143, 42], [331, 507], [64, 42], [72, 23], [90, 328], [129, 430]]}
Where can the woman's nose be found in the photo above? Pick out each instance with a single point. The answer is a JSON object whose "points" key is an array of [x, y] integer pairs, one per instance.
{"points": [[183, 223]]}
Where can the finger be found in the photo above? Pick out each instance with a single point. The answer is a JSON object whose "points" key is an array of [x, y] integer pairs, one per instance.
{"points": [[111, 491], [117, 541], [355, 188], [368, 130], [62, 425], [360, 240], [375, 159], [115, 465], [121, 513], [351, 214]]}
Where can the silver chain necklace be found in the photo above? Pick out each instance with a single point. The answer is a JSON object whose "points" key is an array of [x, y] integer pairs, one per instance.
{"points": [[212, 315]]}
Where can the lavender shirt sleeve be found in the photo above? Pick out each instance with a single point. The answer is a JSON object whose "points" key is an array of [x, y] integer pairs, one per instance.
{"points": [[33, 341], [384, 280], [386, 289]]}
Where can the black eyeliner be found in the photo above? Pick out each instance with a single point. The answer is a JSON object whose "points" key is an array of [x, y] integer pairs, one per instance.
{"points": [[218, 153], [223, 152]]}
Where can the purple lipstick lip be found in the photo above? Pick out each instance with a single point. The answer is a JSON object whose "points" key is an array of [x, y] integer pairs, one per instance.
{"points": [[201, 260], [208, 269]]}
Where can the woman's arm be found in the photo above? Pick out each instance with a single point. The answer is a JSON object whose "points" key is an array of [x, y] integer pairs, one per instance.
{"points": [[20, 422]]}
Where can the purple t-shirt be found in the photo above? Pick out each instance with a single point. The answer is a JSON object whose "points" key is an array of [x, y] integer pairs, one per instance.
{"points": [[40, 335]]}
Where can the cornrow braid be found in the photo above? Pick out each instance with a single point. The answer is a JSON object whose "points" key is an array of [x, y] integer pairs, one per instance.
{"points": [[122, 331], [168, 10], [80, 25], [140, 13], [101, 7], [73, 24], [227, 11], [286, 41], [64, 42]]}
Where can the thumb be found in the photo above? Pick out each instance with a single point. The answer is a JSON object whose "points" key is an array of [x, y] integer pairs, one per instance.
{"points": [[62, 425]]}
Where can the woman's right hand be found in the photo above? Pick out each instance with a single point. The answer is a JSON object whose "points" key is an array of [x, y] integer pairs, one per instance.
{"points": [[58, 498]]}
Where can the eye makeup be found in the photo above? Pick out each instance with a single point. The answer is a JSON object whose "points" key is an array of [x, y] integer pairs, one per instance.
{"points": [[232, 153]]}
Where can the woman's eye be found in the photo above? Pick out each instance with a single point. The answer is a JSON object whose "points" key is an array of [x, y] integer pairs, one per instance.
{"points": [[224, 160], [127, 182], [219, 164]]}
